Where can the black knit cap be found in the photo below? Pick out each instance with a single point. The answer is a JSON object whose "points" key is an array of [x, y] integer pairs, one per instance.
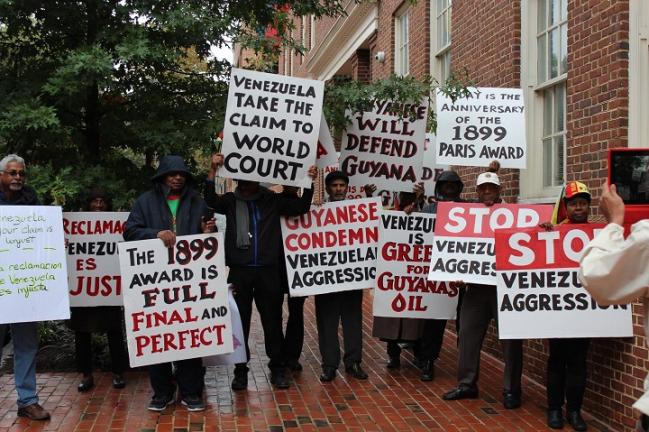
{"points": [[336, 175]]}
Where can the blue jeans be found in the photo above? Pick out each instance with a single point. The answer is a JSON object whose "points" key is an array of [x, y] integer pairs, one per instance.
{"points": [[25, 340]]}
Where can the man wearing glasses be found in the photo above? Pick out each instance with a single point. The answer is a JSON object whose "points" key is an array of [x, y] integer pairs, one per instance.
{"points": [[13, 191]]}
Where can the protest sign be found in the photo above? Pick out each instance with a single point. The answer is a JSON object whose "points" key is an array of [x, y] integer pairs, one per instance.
{"points": [[93, 267], [272, 123], [463, 248], [431, 170], [326, 154], [238, 342], [380, 148], [332, 247], [33, 274], [175, 299], [402, 289], [539, 293], [488, 125]]}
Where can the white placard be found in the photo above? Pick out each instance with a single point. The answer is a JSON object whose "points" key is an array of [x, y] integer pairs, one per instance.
{"points": [[327, 155], [93, 266], [402, 287], [272, 123], [539, 293], [176, 299], [238, 342], [381, 149], [431, 170], [33, 273], [332, 247], [487, 126]]}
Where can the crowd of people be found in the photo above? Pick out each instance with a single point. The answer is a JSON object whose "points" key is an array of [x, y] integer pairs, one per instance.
{"points": [[253, 249]]}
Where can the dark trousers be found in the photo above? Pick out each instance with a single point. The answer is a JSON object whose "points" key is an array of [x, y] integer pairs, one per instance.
{"points": [[83, 351], [261, 284], [479, 307], [330, 310], [294, 335], [429, 345], [189, 376], [567, 373]]}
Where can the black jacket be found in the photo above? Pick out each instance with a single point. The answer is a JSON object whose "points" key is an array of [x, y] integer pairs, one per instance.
{"points": [[265, 227], [151, 214], [27, 196]]}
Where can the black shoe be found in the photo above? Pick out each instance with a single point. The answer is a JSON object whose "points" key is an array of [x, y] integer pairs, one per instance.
{"points": [[328, 374], [356, 371], [193, 403], [278, 379], [394, 362], [118, 382], [160, 403], [294, 365], [428, 371], [240, 381], [555, 419], [86, 383], [576, 421], [511, 400], [461, 393]]}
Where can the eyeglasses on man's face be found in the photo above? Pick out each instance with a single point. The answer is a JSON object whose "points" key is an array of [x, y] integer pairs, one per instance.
{"points": [[14, 173]]}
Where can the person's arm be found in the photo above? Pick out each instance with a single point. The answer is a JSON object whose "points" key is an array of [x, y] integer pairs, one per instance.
{"points": [[135, 227], [292, 207], [215, 201], [614, 270]]}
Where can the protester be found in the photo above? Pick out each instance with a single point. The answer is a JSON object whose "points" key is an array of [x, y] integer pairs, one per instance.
{"points": [[252, 239], [172, 208], [479, 307], [614, 270], [14, 191], [294, 333], [103, 319], [333, 308], [398, 331], [566, 373]]}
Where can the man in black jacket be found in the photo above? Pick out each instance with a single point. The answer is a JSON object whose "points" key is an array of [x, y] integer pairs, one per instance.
{"points": [[252, 239], [13, 191], [171, 208]]}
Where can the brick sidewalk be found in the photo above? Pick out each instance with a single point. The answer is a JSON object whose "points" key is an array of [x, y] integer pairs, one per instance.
{"points": [[387, 401]]}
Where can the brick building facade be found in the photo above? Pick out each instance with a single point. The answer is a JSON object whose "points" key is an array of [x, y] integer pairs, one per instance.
{"points": [[584, 69]]}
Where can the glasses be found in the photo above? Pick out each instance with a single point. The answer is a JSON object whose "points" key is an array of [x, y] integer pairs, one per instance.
{"points": [[15, 173]]}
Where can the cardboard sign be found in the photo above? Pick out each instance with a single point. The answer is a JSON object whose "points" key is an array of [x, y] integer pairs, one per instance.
{"points": [[539, 293], [487, 126], [33, 274], [272, 123], [402, 289], [388, 199], [378, 148], [332, 248], [175, 299], [431, 170], [463, 248], [326, 154], [93, 266]]}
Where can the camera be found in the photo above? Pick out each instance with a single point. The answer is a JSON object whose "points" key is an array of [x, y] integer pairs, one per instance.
{"points": [[380, 56]]}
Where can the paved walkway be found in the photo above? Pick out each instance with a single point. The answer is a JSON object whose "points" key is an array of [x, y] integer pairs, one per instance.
{"points": [[387, 401]]}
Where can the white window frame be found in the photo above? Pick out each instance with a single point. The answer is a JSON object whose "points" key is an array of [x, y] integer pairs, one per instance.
{"points": [[402, 41], [638, 73], [532, 188], [440, 54]]}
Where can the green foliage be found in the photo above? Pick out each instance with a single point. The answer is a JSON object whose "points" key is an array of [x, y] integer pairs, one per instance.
{"points": [[345, 97]]}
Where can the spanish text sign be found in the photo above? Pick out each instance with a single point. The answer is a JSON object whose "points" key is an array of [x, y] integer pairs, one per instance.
{"points": [[272, 123], [332, 247], [175, 299], [488, 125], [402, 289], [539, 294], [33, 276], [93, 265], [382, 149], [463, 248]]}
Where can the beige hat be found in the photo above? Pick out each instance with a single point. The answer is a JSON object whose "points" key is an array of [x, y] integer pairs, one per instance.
{"points": [[488, 177]]}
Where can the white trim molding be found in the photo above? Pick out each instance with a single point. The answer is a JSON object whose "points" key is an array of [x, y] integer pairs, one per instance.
{"points": [[638, 73]]}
